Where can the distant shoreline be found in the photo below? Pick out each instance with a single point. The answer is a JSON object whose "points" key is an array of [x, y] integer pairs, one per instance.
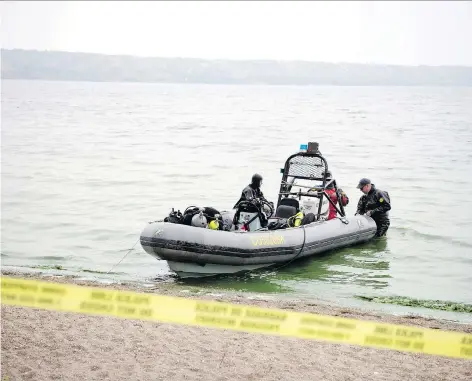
{"points": [[224, 84], [234, 60], [92, 67]]}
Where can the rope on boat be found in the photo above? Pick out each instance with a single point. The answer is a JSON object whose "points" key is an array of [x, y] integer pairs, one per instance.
{"points": [[129, 251], [298, 254]]}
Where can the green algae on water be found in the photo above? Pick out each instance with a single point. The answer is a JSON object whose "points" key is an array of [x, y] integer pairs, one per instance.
{"points": [[48, 267], [97, 272], [410, 302]]}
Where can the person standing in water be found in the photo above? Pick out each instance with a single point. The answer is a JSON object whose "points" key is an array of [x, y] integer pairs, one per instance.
{"points": [[375, 203]]}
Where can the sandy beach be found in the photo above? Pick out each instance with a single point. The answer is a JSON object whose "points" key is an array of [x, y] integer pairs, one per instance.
{"points": [[47, 345]]}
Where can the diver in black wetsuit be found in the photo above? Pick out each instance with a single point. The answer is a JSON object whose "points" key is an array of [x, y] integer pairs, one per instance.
{"points": [[252, 191], [376, 204]]}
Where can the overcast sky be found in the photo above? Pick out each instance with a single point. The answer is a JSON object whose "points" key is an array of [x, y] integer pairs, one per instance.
{"points": [[390, 32]]}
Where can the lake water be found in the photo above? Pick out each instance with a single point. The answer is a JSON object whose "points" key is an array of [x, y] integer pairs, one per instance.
{"points": [[86, 165]]}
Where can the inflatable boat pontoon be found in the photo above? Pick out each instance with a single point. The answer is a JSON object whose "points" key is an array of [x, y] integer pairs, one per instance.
{"points": [[205, 242]]}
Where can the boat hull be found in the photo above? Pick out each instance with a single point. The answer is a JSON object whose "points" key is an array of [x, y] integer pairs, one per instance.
{"points": [[193, 270], [196, 252]]}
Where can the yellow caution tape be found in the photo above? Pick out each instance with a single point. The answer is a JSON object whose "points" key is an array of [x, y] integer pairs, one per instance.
{"points": [[133, 305]]}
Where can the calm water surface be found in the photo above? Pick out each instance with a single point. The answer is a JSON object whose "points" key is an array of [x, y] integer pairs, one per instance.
{"points": [[86, 165]]}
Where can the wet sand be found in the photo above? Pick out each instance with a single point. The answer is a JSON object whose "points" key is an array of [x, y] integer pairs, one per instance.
{"points": [[48, 345]]}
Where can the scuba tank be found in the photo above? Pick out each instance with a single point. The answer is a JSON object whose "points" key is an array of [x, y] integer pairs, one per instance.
{"points": [[214, 224], [199, 220], [296, 220]]}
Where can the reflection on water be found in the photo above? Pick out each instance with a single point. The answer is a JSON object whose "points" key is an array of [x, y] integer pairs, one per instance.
{"points": [[364, 265]]}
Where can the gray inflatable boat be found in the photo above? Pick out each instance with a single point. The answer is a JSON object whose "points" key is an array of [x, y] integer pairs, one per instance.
{"points": [[205, 242]]}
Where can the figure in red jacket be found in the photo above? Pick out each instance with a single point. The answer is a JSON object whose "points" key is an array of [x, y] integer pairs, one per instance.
{"points": [[331, 192]]}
